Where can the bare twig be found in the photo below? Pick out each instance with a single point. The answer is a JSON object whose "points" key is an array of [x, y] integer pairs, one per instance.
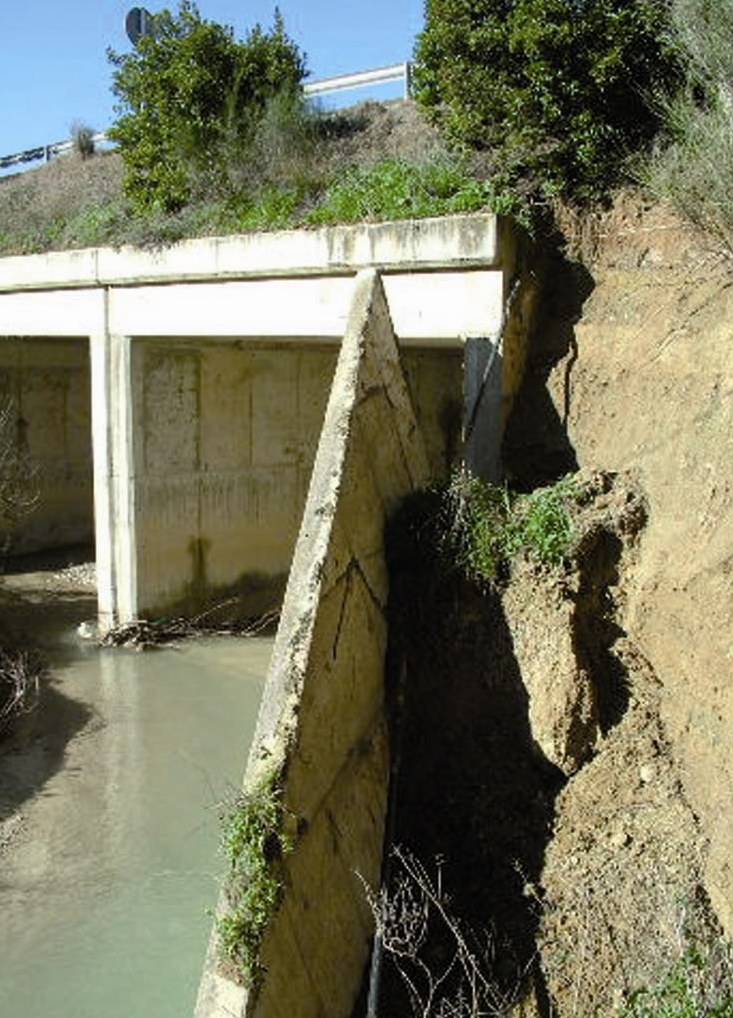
{"points": [[155, 632], [457, 986], [20, 674]]}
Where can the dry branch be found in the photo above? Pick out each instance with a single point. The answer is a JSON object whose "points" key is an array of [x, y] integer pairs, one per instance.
{"points": [[144, 633]]}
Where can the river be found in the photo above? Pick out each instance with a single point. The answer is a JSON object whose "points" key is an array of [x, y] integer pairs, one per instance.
{"points": [[108, 841]]}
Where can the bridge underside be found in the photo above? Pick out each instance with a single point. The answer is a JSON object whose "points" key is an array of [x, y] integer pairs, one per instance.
{"points": [[172, 403]]}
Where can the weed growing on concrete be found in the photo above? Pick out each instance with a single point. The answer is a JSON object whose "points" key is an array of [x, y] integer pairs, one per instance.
{"points": [[254, 842], [488, 525]]}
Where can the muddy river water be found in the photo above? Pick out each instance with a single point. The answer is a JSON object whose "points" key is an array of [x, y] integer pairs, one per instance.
{"points": [[108, 840]]}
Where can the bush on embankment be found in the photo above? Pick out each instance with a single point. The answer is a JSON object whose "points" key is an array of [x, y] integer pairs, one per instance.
{"points": [[555, 92], [693, 169], [528, 101]]}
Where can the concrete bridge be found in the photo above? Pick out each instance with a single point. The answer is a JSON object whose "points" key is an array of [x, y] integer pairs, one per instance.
{"points": [[199, 408], [173, 400]]}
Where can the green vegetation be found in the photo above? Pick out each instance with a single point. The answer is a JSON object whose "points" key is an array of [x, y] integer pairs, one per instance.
{"points": [[700, 985], [398, 189], [694, 169], [555, 91], [191, 99], [488, 525], [527, 101], [254, 842], [388, 189]]}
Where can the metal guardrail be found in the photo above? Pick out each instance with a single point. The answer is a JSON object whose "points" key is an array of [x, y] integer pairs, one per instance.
{"points": [[395, 72], [45, 152], [358, 79]]}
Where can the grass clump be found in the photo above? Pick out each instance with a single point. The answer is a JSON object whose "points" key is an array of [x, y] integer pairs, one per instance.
{"points": [[254, 841], [692, 166], [398, 189], [700, 985], [489, 525]]}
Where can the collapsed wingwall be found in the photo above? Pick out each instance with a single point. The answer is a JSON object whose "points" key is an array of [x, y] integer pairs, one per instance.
{"points": [[322, 723]]}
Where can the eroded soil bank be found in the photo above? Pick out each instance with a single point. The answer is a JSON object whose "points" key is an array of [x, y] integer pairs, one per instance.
{"points": [[564, 735]]}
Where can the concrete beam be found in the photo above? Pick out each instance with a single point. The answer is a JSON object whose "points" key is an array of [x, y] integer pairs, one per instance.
{"points": [[428, 310], [469, 241], [52, 313]]}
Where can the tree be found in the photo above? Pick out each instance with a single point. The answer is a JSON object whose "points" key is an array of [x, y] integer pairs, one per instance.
{"points": [[555, 90], [190, 92]]}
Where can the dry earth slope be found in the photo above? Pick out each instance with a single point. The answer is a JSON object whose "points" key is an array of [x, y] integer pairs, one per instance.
{"points": [[633, 371]]}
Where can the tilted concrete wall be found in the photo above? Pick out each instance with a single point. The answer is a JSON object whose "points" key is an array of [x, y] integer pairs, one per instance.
{"points": [[45, 386], [322, 722]]}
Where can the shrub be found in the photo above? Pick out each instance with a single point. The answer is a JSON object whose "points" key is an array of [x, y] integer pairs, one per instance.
{"points": [[397, 189], [189, 95], [555, 89], [488, 525], [253, 842], [699, 985], [82, 140], [693, 168]]}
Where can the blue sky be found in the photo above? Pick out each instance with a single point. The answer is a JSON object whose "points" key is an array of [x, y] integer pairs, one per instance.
{"points": [[53, 68]]}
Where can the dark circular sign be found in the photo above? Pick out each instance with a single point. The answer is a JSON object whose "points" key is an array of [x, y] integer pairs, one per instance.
{"points": [[138, 23]]}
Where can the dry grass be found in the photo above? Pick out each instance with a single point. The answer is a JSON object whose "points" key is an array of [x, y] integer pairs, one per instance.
{"points": [[36, 207], [20, 674]]}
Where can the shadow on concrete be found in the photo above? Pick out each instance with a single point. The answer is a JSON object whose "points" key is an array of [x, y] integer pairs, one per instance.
{"points": [[536, 449]]}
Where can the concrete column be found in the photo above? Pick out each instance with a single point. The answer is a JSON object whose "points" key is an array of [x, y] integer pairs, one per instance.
{"points": [[112, 424]]}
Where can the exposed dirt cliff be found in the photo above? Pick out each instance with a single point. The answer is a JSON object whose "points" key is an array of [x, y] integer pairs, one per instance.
{"points": [[562, 734], [632, 369]]}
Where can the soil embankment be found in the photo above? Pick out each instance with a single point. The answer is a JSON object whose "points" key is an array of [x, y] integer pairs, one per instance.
{"points": [[574, 722], [632, 370]]}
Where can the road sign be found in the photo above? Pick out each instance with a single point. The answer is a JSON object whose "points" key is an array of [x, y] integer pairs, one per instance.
{"points": [[138, 23]]}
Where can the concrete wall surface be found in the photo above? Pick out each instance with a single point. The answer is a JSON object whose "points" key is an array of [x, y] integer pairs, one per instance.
{"points": [[224, 441], [45, 427], [322, 723]]}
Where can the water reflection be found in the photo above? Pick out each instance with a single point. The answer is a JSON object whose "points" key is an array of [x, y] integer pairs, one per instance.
{"points": [[105, 884]]}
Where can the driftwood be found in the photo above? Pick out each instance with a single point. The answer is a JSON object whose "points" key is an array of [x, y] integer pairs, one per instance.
{"points": [[144, 633]]}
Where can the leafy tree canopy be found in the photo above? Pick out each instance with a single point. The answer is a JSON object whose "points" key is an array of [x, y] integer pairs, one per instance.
{"points": [[556, 90], [190, 95]]}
